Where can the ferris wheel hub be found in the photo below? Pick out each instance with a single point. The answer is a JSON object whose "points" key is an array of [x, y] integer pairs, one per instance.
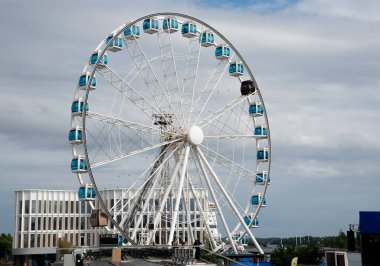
{"points": [[195, 135]]}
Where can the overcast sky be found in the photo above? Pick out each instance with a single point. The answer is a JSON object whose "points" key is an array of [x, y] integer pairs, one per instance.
{"points": [[316, 62]]}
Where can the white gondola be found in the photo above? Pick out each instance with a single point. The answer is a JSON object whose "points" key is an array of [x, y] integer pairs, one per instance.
{"points": [[170, 25], [150, 25], [103, 59], [77, 107], [79, 164], [189, 29], [222, 52], [117, 43], [248, 218], [132, 32], [256, 109], [262, 178], [207, 38], [75, 135], [256, 198], [260, 132], [84, 81], [86, 192], [236, 69], [262, 155]]}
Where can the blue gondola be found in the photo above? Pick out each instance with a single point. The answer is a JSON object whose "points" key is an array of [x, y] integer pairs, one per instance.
{"points": [[77, 107], [75, 135], [256, 109], [248, 218], [103, 60], [262, 178], [261, 131], [170, 25], [207, 38], [236, 69], [189, 29], [150, 25], [84, 80], [86, 192], [132, 32], [117, 43], [222, 52], [262, 155], [79, 164], [255, 199]]}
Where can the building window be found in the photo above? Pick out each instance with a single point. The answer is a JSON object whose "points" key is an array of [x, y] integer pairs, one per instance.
{"points": [[66, 223], [39, 206], [82, 207], [20, 207], [33, 206], [26, 240], [60, 223], [33, 223], [32, 239], [82, 223], [39, 223], [54, 224], [26, 224], [66, 206], [27, 206], [54, 240], [19, 224]]}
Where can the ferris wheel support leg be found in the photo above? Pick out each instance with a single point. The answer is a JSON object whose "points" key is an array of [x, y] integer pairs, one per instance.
{"points": [[232, 205], [179, 190], [163, 200], [146, 204], [188, 221], [233, 244], [199, 205]]}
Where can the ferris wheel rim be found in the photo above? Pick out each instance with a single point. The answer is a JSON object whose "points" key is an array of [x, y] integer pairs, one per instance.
{"points": [[119, 31]]}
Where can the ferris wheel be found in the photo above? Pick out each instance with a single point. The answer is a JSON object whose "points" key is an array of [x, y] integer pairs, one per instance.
{"points": [[167, 117]]}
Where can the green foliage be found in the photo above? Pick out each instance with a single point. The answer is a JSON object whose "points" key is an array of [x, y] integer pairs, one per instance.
{"points": [[5, 245], [284, 255], [65, 245], [339, 241]]}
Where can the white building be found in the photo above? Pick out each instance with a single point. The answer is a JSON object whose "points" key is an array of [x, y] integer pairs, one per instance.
{"points": [[43, 217]]}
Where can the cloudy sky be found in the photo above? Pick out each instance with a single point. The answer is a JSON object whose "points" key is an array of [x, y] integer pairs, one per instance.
{"points": [[317, 63]]}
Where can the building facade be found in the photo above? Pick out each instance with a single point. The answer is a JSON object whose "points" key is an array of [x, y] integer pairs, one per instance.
{"points": [[46, 218]]}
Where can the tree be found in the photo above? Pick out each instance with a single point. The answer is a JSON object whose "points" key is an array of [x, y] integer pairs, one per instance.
{"points": [[5, 245]]}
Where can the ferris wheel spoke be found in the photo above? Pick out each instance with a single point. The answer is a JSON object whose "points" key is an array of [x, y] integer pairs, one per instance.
{"points": [[178, 196], [170, 73], [229, 164], [209, 89], [222, 111], [149, 76], [228, 136], [152, 169], [124, 123], [191, 72], [165, 196], [116, 158], [204, 217], [211, 189], [231, 204], [128, 91]]}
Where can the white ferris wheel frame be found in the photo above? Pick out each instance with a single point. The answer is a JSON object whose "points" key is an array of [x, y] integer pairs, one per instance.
{"points": [[196, 151]]}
